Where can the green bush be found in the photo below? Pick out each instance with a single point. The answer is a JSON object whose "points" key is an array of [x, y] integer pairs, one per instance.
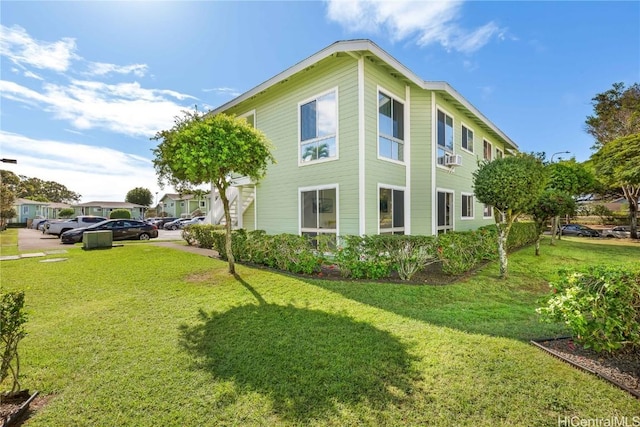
{"points": [[362, 257], [12, 320], [202, 234], [120, 214], [461, 251], [601, 305]]}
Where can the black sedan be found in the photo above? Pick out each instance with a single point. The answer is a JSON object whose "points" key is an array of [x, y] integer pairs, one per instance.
{"points": [[578, 230], [122, 229]]}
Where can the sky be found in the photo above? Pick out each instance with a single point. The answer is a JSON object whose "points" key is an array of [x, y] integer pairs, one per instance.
{"points": [[85, 85]]}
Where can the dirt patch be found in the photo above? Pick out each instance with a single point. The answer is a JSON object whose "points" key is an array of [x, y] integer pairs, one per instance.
{"points": [[622, 368], [12, 405]]}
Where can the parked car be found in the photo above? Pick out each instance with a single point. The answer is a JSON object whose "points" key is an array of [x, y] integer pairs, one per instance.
{"points": [[620, 232], [578, 230], [160, 222], [175, 224], [192, 221], [122, 229], [57, 228]]}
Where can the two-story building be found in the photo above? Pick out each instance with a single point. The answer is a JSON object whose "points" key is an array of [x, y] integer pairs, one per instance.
{"points": [[183, 205], [363, 146]]}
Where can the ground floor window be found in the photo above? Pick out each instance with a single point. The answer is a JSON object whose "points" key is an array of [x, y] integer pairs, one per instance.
{"points": [[445, 211], [318, 211], [487, 212], [467, 206], [391, 210]]}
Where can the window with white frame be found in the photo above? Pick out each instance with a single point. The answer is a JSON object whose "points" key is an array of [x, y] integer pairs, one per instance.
{"points": [[445, 211], [467, 139], [487, 211], [499, 153], [318, 211], [467, 206], [391, 201], [182, 204], [445, 136], [318, 126], [25, 209], [390, 128], [202, 203], [486, 145]]}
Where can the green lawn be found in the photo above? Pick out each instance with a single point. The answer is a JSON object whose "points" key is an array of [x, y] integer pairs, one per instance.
{"points": [[9, 242], [141, 335]]}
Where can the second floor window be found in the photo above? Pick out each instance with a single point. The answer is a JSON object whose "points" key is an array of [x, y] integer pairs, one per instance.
{"points": [[318, 124], [467, 138], [445, 136], [390, 128], [487, 150]]}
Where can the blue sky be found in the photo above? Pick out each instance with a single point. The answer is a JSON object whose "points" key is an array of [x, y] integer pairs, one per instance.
{"points": [[84, 85]]}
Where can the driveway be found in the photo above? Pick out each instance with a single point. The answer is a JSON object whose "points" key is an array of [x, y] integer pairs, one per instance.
{"points": [[30, 240]]}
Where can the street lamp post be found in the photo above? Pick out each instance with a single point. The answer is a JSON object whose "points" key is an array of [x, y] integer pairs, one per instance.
{"points": [[559, 152], [12, 161]]}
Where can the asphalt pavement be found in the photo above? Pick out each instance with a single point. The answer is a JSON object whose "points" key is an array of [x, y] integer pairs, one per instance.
{"points": [[34, 240]]}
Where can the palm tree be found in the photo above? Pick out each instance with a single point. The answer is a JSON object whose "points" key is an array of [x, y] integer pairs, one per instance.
{"points": [[315, 152]]}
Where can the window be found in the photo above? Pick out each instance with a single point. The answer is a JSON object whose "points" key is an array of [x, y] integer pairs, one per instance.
{"points": [[318, 124], [499, 153], [467, 206], [25, 209], [445, 211], [467, 138], [318, 211], [487, 212], [182, 204], [390, 128], [445, 136], [487, 150], [391, 210], [202, 203]]}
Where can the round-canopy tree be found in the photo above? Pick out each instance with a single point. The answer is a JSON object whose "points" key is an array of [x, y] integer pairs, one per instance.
{"points": [[139, 196], [511, 185], [206, 148]]}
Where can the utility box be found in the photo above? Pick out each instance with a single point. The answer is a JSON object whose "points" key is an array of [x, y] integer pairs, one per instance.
{"points": [[97, 239]]}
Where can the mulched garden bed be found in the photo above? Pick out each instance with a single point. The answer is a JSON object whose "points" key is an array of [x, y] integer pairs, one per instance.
{"points": [[621, 369]]}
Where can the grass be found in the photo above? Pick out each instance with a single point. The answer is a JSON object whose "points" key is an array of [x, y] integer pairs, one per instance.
{"points": [[142, 335], [9, 242]]}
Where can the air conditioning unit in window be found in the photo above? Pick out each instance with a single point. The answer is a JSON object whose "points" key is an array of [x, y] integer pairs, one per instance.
{"points": [[455, 160]]}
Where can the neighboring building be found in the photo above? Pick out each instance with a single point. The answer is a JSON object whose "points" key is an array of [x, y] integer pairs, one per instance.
{"points": [[105, 208], [363, 146], [29, 209], [183, 205]]}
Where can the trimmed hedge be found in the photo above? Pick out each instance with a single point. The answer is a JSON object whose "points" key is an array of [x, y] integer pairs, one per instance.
{"points": [[362, 257]]}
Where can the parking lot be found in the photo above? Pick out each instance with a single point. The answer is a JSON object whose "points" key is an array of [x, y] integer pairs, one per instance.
{"points": [[34, 240]]}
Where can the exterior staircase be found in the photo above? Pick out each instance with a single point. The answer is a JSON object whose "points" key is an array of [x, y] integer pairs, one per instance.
{"points": [[240, 198]]}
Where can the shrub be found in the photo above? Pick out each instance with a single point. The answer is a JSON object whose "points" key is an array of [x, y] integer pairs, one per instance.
{"points": [[202, 234], [66, 213], [120, 214], [359, 257], [12, 320], [601, 305]]}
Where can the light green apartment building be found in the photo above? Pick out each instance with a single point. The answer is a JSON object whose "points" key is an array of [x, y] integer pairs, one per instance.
{"points": [[363, 146]]}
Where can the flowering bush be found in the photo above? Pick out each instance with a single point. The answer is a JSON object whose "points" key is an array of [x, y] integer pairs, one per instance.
{"points": [[601, 305]]}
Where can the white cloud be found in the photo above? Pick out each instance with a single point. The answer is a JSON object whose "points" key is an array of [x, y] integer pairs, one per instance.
{"points": [[32, 75], [125, 108], [224, 91], [103, 69], [23, 50], [429, 21], [97, 173]]}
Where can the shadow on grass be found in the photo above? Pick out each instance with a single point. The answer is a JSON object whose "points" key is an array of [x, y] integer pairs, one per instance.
{"points": [[307, 361]]}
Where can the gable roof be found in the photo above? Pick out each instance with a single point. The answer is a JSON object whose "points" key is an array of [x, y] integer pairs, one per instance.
{"points": [[372, 51], [117, 205]]}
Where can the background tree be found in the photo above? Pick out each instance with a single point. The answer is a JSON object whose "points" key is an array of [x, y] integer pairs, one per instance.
{"points": [[511, 185], [550, 204], [572, 178], [7, 211], [139, 196], [618, 165], [201, 149], [616, 114], [66, 213]]}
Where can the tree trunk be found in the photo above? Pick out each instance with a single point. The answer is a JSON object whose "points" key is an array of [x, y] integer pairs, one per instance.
{"points": [[632, 193], [558, 230], [554, 230], [538, 246], [227, 241], [503, 223]]}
